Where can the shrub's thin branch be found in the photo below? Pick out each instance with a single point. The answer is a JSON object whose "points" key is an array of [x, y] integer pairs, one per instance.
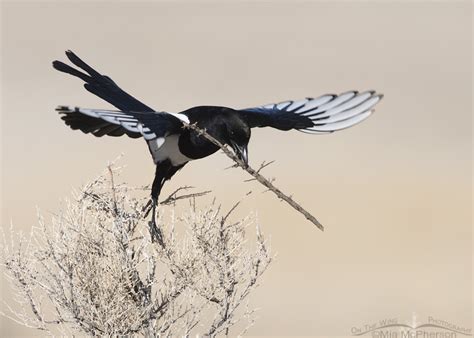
{"points": [[257, 176]]}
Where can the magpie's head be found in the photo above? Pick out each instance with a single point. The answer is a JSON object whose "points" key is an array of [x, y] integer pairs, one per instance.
{"points": [[237, 136]]}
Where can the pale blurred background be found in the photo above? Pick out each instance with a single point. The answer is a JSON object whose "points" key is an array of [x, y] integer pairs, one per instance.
{"points": [[393, 192]]}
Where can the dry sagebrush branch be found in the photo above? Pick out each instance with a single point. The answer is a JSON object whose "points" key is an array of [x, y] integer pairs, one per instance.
{"points": [[94, 269]]}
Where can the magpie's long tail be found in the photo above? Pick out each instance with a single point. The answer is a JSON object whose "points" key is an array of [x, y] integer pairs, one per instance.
{"points": [[101, 85]]}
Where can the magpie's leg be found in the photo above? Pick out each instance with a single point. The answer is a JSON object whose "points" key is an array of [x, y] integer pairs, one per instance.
{"points": [[164, 171], [160, 178], [154, 230]]}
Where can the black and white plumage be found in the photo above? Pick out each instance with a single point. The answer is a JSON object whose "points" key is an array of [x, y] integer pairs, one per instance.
{"points": [[172, 146], [326, 114]]}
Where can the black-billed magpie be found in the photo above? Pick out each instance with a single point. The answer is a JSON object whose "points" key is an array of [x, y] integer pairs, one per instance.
{"points": [[172, 146]]}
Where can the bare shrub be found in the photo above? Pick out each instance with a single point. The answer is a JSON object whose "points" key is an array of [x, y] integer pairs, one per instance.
{"points": [[95, 270]]}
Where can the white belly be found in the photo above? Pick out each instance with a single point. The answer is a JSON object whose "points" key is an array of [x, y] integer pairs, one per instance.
{"points": [[167, 149]]}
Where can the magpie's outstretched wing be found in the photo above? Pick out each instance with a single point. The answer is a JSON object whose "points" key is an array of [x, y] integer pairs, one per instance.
{"points": [[135, 118], [101, 122], [324, 114]]}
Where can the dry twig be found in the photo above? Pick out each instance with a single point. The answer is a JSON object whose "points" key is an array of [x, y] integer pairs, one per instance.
{"points": [[256, 175]]}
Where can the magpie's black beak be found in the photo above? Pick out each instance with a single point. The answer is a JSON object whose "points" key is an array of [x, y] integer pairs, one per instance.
{"points": [[241, 152]]}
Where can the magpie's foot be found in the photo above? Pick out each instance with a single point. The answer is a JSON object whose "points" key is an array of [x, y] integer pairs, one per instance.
{"points": [[155, 231]]}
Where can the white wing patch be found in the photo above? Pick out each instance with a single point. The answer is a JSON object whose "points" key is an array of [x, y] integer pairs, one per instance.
{"points": [[314, 103], [331, 112], [297, 104], [337, 100], [122, 119], [343, 124]]}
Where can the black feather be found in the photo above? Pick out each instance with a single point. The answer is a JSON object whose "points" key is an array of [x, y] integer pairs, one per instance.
{"points": [[279, 119]]}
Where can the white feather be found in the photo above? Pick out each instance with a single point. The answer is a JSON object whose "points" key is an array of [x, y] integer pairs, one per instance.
{"points": [[297, 104], [358, 99], [307, 131], [314, 103], [334, 103], [341, 124], [334, 117]]}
